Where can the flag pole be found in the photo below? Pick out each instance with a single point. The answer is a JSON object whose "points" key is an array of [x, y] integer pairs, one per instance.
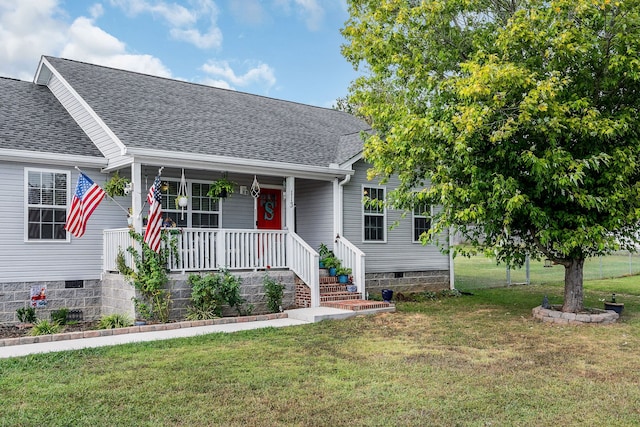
{"points": [[114, 200], [145, 200]]}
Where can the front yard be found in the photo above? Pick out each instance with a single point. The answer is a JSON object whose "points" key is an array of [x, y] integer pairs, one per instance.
{"points": [[475, 360]]}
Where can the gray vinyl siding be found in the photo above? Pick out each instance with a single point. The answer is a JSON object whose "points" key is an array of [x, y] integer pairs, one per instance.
{"points": [[314, 212], [84, 119], [398, 253], [77, 259]]}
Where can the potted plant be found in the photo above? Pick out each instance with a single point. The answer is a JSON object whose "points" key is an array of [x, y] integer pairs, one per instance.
{"points": [[614, 305], [343, 274], [182, 202], [220, 189], [324, 253], [332, 263], [116, 185]]}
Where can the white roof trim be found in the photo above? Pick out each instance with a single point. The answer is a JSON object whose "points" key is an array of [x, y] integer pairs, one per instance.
{"points": [[234, 164], [98, 120], [53, 159]]}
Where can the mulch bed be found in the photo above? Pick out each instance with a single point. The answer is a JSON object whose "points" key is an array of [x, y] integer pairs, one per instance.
{"points": [[17, 331]]}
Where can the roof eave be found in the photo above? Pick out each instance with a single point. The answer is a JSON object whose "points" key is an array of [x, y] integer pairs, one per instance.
{"points": [[26, 156], [236, 165]]}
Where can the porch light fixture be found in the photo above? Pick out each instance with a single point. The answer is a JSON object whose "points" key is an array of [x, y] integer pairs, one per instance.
{"points": [[164, 186], [255, 188]]}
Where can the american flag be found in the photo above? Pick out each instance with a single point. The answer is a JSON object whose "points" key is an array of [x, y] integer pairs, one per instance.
{"points": [[85, 200], [154, 224]]}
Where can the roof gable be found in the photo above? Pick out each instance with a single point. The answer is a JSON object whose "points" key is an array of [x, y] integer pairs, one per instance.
{"points": [[150, 112], [32, 119]]}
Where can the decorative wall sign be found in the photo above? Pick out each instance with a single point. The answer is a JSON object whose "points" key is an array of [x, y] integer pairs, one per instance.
{"points": [[39, 296]]}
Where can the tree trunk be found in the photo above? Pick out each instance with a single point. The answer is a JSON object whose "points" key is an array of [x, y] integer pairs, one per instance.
{"points": [[573, 290]]}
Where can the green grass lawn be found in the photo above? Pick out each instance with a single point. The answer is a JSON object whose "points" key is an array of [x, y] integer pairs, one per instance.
{"points": [[481, 272], [477, 360]]}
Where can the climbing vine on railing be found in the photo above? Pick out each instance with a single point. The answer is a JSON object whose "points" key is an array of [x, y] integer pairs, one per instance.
{"points": [[149, 276]]}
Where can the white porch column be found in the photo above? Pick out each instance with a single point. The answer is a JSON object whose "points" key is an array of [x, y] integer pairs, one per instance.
{"points": [[290, 215], [136, 195], [337, 209], [290, 203]]}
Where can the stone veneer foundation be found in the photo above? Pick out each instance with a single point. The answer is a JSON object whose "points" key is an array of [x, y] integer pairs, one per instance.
{"points": [[113, 294], [554, 315]]}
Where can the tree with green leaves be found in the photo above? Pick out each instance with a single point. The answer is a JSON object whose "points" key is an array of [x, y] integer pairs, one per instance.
{"points": [[520, 118]]}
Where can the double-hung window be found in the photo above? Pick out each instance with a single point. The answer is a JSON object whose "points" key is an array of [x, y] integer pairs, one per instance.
{"points": [[200, 212], [373, 214], [47, 193], [421, 221]]}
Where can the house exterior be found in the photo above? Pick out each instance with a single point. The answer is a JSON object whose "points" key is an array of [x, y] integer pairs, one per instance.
{"points": [[303, 163]]}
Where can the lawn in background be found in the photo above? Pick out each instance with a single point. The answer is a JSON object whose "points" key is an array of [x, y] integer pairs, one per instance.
{"points": [[476, 360], [482, 272]]}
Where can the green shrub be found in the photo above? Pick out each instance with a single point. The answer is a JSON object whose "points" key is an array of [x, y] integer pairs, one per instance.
{"points": [[211, 291], [115, 320], [274, 291], [44, 327], [26, 314], [60, 316]]}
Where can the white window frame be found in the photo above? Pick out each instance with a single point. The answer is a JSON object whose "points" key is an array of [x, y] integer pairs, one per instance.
{"points": [[27, 205], [188, 211], [413, 223], [383, 214]]}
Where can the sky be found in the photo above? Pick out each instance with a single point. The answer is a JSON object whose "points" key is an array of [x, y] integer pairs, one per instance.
{"points": [[285, 49]]}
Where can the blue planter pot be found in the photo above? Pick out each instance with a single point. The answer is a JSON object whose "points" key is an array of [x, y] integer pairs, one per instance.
{"points": [[332, 271], [343, 278], [387, 294]]}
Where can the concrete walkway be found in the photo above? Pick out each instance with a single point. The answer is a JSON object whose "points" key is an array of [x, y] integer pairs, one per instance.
{"points": [[294, 317], [77, 344]]}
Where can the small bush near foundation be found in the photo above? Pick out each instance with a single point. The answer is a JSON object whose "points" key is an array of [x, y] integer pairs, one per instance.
{"points": [[44, 327], [210, 292], [60, 316], [274, 291], [26, 314], [112, 321]]}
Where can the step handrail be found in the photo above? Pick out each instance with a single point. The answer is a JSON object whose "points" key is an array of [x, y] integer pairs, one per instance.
{"points": [[351, 257]]}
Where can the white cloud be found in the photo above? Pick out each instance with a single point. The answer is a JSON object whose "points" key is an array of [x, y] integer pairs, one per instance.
{"points": [[248, 11], [222, 72], [213, 38], [28, 29], [31, 28], [309, 10], [183, 22]]}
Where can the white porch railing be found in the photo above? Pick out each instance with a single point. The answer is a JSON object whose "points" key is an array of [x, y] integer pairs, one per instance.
{"points": [[201, 249], [113, 241], [304, 261], [353, 258]]}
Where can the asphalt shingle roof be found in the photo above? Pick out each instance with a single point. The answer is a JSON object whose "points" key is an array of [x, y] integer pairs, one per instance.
{"points": [[158, 113], [32, 119]]}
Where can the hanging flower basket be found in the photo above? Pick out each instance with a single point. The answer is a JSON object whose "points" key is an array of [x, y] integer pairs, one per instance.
{"points": [[116, 185], [181, 201], [221, 189]]}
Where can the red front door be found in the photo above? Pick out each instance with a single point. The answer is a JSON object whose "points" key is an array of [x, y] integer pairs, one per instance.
{"points": [[269, 209]]}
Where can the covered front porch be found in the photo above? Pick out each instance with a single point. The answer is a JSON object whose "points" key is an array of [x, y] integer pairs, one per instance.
{"points": [[208, 250], [271, 220]]}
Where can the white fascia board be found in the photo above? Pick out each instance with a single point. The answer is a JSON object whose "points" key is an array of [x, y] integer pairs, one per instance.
{"points": [[349, 163], [235, 164], [76, 95], [118, 163], [25, 156]]}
